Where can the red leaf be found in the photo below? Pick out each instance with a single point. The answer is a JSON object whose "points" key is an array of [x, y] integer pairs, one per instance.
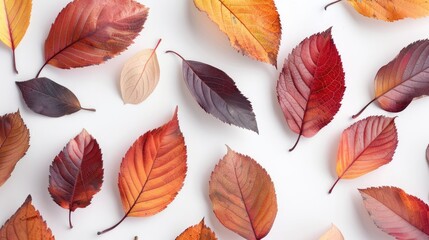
{"points": [[403, 79], [397, 213], [88, 32], [76, 174], [311, 85]]}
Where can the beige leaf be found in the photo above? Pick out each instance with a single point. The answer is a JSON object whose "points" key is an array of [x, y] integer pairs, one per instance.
{"points": [[332, 234], [140, 76]]}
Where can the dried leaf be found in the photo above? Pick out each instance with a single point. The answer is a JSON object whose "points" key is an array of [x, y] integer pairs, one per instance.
{"points": [[427, 154], [390, 10], [152, 172], [243, 196], [14, 143], [76, 174], [311, 85], [198, 232], [403, 79], [14, 21], [140, 76], [88, 32], [48, 98], [26, 223], [252, 26], [217, 94], [366, 146], [397, 213], [332, 234]]}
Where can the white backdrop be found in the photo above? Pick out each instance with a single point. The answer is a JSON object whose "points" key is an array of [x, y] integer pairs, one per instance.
{"points": [[302, 178]]}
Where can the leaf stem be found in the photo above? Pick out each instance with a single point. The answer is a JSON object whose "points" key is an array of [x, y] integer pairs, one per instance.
{"points": [[38, 73], [170, 51], [112, 227], [296, 143], [14, 62], [363, 109], [332, 3], [335, 183], [88, 109], [70, 222]]}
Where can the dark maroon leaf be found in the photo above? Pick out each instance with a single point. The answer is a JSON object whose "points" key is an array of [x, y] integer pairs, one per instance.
{"points": [[48, 98], [76, 174], [217, 94]]}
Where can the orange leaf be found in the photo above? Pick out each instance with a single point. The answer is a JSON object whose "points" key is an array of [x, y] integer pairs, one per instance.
{"points": [[26, 223], [14, 21], [366, 146], [397, 213], [390, 10], [88, 32], [253, 26], [197, 232], [332, 234], [152, 171], [14, 143], [243, 196]]}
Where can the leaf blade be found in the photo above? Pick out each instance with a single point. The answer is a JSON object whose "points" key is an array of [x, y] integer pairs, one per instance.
{"points": [[243, 196], [332, 234], [76, 174], [311, 85], [14, 143], [397, 213], [26, 223], [48, 98], [197, 232], [259, 41]]}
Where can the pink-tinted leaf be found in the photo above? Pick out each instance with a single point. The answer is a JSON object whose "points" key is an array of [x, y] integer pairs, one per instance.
{"points": [[311, 85], [217, 94], [76, 174], [397, 213]]}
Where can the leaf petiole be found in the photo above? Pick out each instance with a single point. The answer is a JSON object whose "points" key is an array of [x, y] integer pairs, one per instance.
{"points": [[332, 3]]}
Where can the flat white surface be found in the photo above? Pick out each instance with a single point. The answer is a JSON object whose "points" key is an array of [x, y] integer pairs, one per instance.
{"points": [[302, 178]]}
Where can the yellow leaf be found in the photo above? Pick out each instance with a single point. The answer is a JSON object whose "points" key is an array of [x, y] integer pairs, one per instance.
{"points": [[140, 76], [14, 21], [253, 26]]}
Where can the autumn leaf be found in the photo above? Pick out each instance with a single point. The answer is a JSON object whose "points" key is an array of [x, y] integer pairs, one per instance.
{"points": [[403, 79], [252, 26], [88, 32], [14, 143], [389, 10], [311, 85], [26, 223], [243, 196], [427, 154], [140, 76], [397, 213], [14, 21], [366, 146], [152, 172], [48, 98], [217, 94], [332, 234], [198, 232], [76, 174]]}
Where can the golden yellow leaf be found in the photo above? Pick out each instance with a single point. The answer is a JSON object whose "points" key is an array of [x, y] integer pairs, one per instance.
{"points": [[14, 21], [253, 26], [390, 10]]}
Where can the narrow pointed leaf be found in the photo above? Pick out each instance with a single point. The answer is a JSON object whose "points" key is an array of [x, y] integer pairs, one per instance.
{"points": [[76, 174], [14, 21], [243, 196], [397, 213], [153, 171], [48, 98], [198, 232], [88, 32], [14, 143], [332, 234], [140, 76], [26, 223], [311, 85], [403, 79], [218, 95], [252, 26], [366, 146]]}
